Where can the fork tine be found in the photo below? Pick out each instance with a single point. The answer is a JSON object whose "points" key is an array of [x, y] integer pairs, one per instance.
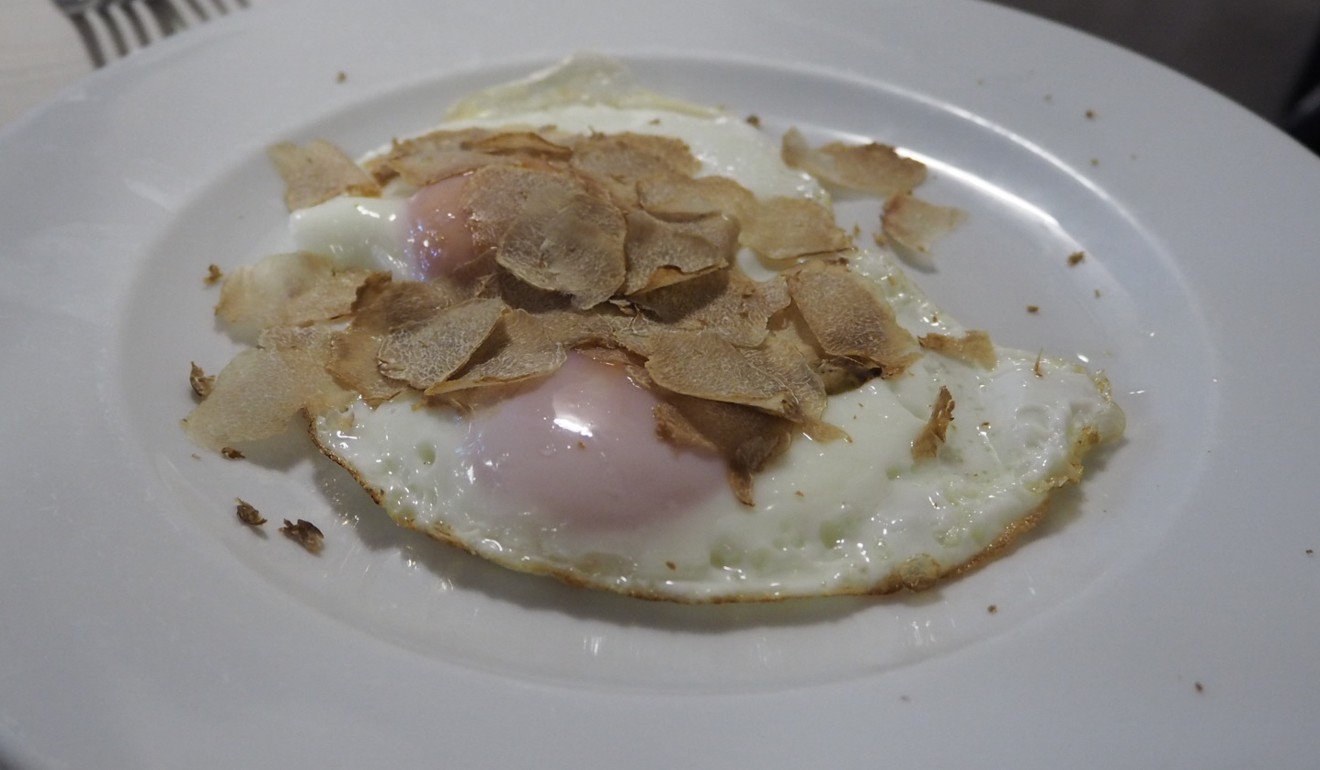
{"points": [[197, 8], [135, 21], [111, 26], [90, 41], [166, 15]]}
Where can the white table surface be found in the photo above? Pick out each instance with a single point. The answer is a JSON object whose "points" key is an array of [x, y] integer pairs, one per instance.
{"points": [[41, 53]]}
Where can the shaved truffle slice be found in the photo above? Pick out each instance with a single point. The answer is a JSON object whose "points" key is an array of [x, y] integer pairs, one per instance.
{"points": [[317, 172], [870, 168], [661, 253], [287, 290], [494, 197], [426, 166], [556, 316], [837, 375], [627, 157], [747, 439], [931, 438], [576, 249], [787, 228], [305, 350], [259, 392], [527, 143], [383, 306], [517, 349], [427, 353], [431, 157], [443, 154], [974, 347], [786, 364], [726, 302], [849, 320], [617, 162], [680, 198], [517, 294], [707, 366], [914, 224], [355, 366], [386, 305], [601, 326]]}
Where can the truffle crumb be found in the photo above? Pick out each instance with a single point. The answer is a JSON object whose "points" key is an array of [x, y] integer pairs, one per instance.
{"points": [[341, 77], [1033, 309], [1200, 687], [230, 453], [1090, 115], [1075, 258], [1310, 552], [671, 565], [992, 609], [928, 442], [200, 382], [248, 514], [754, 121], [213, 275], [305, 533]]}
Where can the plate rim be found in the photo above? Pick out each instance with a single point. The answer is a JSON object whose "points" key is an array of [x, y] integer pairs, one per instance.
{"points": [[1275, 148]]}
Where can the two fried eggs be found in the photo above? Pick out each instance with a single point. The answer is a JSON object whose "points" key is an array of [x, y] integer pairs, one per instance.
{"points": [[566, 476]]}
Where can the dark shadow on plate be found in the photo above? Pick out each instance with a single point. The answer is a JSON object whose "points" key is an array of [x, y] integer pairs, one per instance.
{"points": [[9, 762]]}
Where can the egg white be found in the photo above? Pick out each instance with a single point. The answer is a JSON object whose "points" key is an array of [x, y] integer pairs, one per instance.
{"points": [[839, 517]]}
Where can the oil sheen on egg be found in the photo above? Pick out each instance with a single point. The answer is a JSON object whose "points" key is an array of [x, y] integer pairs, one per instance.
{"points": [[567, 477]]}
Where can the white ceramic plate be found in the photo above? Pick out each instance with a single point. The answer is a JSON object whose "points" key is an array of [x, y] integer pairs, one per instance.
{"points": [[1165, 616]]}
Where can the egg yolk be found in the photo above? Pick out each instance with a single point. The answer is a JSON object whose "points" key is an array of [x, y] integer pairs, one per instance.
{"points": [[438, 240], [580, 450]]}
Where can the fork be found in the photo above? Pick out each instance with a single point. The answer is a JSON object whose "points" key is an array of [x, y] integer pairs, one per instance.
{"points": [[127, 25]]}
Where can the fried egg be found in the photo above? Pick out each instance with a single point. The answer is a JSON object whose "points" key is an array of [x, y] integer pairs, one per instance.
{"points": [[566, 475]]}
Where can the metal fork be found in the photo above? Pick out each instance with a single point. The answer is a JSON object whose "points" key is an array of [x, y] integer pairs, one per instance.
{"points": [[113, 28]]}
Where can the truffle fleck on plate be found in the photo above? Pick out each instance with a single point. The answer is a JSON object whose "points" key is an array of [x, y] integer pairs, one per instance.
{"points": [[1152, 620]]}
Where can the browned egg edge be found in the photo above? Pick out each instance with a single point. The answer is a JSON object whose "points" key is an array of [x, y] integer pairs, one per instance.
{"points": [[920, 572]]}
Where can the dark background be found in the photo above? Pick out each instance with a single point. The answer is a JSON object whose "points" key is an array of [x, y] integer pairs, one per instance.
{"points": [[1263, 54]]}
